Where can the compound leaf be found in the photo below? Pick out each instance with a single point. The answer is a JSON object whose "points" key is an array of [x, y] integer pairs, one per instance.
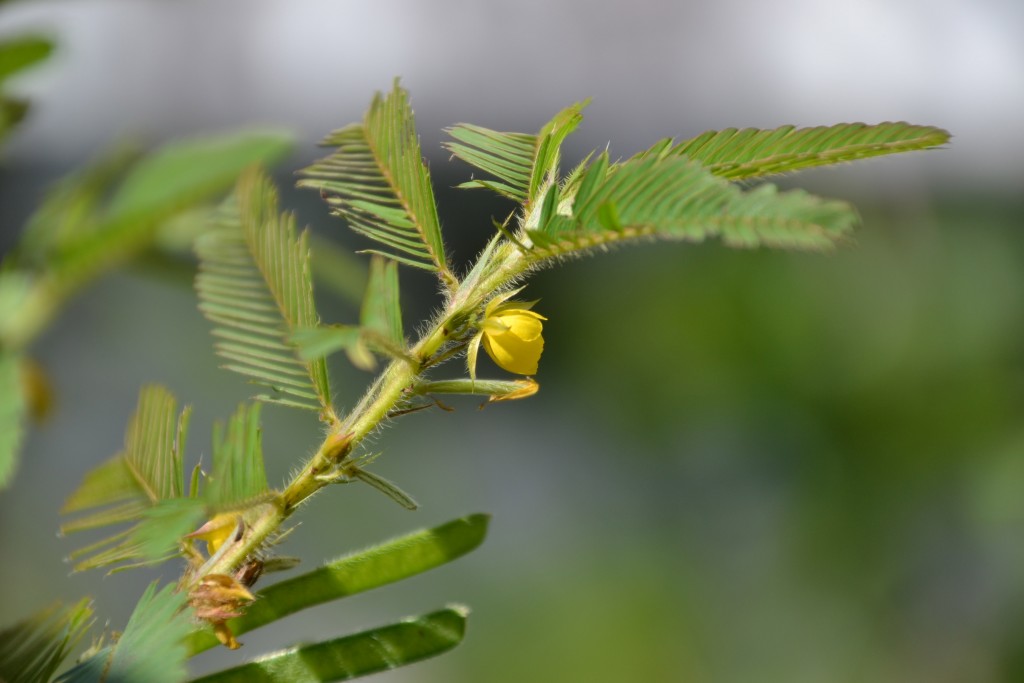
{"points": [[238, 471], [386, 563], [524, 164], [32, 650], [377, 181], [150, 649], [141, 484], [342, 659], [255, 286], [752, 152], [676, 198]]}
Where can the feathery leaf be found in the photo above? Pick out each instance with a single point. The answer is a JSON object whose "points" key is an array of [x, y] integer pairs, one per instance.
{"points": [[342, 659], [238, 471], [151, 648], [524, 164], [380, 565], [147, 474], [380, 324], [33, 649], [381, 310], [675, 198], [254, 285], [377, 181], [751, 152]]}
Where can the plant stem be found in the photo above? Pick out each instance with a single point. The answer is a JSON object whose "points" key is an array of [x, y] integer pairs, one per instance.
{"points": [[386, 392]]}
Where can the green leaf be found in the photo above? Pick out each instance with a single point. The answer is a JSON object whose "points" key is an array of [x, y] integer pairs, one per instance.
{"points": [[151, 648], [507, 156], [172, 179], [238, 471], [13, 409], [19, 53], [524, 164], [751, 152], [146, 474], [158, 534], [675, 198], [188, 171], [33, 649], [255, 286], [381, 311], [391, 561], [342, 659], [377, 181], [73, 208], [317, 342]]}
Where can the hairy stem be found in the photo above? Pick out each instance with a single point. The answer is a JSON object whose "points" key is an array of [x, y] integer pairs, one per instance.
{"points": [[386, 393]]}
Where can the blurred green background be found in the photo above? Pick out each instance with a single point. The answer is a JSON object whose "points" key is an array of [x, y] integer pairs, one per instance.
{"points": [[741, 466]]}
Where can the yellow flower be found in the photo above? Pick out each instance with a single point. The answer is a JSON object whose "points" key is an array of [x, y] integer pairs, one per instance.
{"points": [[217, 531], [511, 335]]}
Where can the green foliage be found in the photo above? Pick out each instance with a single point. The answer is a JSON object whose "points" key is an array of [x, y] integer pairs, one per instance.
{"points": [[175, 177], [751, 152], [74, 208], [388, 562], [381, 310], [191, 171], [12, 414], [17, 54], [151, 648], [255, 286], [342, 659], [238, 473], [524, 164], [141, 484], [100, 218], [657, 194], [33, 649], [380, 327], [674, 198], [378, 182], [22, 52]]}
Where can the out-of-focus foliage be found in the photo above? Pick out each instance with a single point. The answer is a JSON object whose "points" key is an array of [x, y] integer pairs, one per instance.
{"points": [[32, 650], [17, 54], [121, 207]]}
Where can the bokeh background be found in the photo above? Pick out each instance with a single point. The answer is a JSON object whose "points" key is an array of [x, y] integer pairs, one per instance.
{"points": [[742, 466]]}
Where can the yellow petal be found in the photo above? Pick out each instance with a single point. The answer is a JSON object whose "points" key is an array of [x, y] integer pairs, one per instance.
{"points": [[216, 531], [519, 347]]}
